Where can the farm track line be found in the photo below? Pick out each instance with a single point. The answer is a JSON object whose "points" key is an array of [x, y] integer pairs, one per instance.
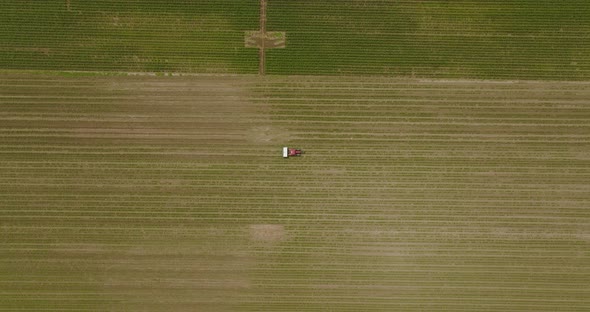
{"points": [[21, 116], [565, 122], [416, 252], [525, 187], [205, 175], [441, 210], [383, 267], [76, 215], [399, 99], [312, 218], [339, 141], [235, 167], [394, 185], [442, 207]]}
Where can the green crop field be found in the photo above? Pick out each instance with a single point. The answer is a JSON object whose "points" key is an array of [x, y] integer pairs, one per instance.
{"points": [[151, 35], [527, 39], [515, 39], [170, 194], [446, 165]]}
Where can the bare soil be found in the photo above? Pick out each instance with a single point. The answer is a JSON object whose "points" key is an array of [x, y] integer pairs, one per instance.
{"points": [[267, 233]]}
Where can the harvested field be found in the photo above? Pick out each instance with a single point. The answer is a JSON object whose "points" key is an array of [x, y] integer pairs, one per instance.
{"points": [[170, 194]]}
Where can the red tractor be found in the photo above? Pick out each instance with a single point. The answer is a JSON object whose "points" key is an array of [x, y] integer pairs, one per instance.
{"points": [[290, 152]]}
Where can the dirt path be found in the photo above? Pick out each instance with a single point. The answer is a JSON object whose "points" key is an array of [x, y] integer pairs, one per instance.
{"points": [[261, 52]]}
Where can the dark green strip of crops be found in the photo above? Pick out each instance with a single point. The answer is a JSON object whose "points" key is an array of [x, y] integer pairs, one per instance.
{"points": [[518, 39]]}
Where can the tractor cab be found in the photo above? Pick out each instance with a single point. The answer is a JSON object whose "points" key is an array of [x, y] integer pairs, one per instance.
{"points": [[290, 152]]}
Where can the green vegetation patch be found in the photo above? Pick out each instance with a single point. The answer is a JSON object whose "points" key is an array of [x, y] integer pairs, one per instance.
{"points": [[519, 39], [524, 39], [154, 36]]}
